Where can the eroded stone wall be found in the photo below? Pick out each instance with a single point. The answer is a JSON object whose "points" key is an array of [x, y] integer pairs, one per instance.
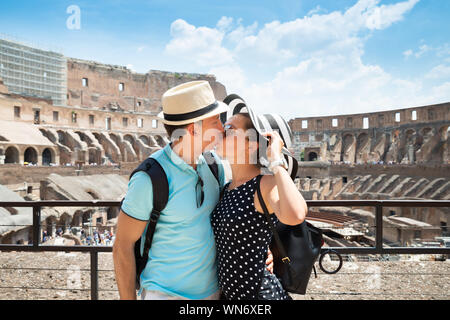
{"points": [[409, 136]]}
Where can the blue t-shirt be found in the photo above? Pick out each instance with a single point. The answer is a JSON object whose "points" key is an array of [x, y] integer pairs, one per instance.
{"points": [[182, 258]]}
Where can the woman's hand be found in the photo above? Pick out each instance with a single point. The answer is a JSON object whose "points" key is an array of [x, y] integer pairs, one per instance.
{"points": [[276, 144], [269, 261]]}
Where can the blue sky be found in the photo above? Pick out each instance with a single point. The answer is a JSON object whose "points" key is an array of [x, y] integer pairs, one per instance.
{"points": [[301, 58]]}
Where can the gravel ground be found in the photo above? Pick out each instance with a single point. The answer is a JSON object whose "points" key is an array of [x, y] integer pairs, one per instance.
{"points": [[25, 275]]}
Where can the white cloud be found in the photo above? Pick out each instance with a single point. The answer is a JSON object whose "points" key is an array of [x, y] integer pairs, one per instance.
{"points": [[408, 53], [308, 66], [442, 92], [439, 72], [224, 23], [201, 45], [316, 10], [383, 16]]}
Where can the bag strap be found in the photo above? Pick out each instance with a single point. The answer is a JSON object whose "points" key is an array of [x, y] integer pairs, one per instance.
{"points": [[160, 196], [280, 246], [212, 164]]}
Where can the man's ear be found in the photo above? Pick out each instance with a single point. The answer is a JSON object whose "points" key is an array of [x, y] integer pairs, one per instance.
{"points": [[190, 129]]}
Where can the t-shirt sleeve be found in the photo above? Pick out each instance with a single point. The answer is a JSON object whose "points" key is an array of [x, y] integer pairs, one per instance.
{"points": [[138, 202]]}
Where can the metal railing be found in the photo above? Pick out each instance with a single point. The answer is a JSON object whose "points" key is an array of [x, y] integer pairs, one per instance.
{"points": [[379, 248]]}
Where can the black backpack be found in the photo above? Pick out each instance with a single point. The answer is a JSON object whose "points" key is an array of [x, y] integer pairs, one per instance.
{"points": [[160, 199]]}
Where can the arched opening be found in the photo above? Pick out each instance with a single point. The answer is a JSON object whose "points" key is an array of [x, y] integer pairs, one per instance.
{"points": [[312, 156], [11, 155], [129, 138], [144, 139], [347, 145], [47, 157], [94, 156], [77, 220], [61, 137], [362, 148], [30, 155], [64, 221], [112, 213], [160, 140], [93, 194], [444, 132], [114, 138], [50, 227]]}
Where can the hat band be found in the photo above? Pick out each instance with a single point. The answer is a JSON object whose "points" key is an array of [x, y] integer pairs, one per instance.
{"points": [[191, 115]]}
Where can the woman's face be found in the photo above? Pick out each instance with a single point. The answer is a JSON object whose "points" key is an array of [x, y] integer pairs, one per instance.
{"points": [[238, 142]]}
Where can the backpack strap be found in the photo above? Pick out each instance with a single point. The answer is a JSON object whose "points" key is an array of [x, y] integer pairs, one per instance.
{"points": [[212, 164], [280, 246], [160, 198]]}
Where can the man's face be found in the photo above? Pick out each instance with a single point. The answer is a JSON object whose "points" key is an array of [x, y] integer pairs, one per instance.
{"points": [[208, 133]]}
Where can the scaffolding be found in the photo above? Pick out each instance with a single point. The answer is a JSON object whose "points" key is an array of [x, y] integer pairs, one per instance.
{"points": [[33, 72]]}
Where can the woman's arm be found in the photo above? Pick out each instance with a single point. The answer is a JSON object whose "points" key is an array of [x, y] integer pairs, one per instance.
{"points": [[279, 192]]}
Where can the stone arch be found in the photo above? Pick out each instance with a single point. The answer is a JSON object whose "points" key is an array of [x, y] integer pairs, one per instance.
{"points": [[94, 156], [362, 147], [348, 148], [115, 138], [30, 155], [93, 194], [160, 140], [62, 137], [11, 155], [144, 139], [119, 144], [427, 132], [50, 225], [85, 217], [129, 138], [77, 219], [134, 145], [409, 134], [410, 146], [112, 212], [83, 137], [111, 149], [444, 132], [65, 221], [48, 156]]}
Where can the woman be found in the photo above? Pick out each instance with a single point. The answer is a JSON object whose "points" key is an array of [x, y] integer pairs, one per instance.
{"points": [[241, 231]]}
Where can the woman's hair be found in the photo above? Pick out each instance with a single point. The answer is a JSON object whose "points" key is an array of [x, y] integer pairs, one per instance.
{"points": [[249, 126]]}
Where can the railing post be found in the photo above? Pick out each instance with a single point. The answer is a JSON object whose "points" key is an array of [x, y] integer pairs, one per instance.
{"points": [[379, 228], [36, 225], [94, 275]]}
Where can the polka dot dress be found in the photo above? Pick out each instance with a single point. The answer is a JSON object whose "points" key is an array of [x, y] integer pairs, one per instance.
{"points": [[242, 237]]}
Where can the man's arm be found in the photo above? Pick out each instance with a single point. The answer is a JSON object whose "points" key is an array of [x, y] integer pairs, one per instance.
{"points": [[129, 230]]}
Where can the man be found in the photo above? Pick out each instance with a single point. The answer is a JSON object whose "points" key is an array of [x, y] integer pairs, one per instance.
{"points": [[182, 255]]}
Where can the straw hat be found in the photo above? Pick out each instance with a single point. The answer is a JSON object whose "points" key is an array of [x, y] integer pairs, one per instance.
{"points": [[190, 102], [264, 124]]}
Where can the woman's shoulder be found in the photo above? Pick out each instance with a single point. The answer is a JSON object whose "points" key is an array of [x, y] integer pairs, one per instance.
{"points": [[267, 183]]}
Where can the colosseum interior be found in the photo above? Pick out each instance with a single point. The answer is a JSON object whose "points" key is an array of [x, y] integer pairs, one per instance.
{"points": [[399, 154], [72, 129], [83, 143]]}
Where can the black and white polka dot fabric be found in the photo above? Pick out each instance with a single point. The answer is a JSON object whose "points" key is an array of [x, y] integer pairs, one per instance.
{"points": [[242, 237]]}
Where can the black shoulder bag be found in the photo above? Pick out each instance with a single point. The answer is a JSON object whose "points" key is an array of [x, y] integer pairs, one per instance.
{"points": [[295, 250]]}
